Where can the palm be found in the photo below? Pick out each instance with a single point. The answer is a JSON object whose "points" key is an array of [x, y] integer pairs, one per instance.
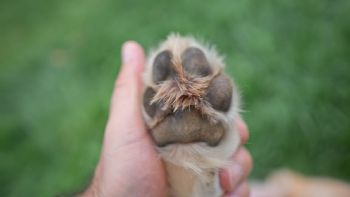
{"points": [[145, 168], [154, 166], [130, 163]]}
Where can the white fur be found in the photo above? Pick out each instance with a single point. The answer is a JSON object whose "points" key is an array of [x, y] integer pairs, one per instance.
{"points": [[193, 169]]}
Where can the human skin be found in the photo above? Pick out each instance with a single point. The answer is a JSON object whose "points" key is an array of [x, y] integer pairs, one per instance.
{"points": [[129, 165]]}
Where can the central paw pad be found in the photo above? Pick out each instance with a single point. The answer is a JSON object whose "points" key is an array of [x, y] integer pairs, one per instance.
{"points": [[186, 93]]}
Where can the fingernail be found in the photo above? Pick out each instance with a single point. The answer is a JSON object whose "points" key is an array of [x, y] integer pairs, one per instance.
{"points": [[236, 174], [128, 54]]}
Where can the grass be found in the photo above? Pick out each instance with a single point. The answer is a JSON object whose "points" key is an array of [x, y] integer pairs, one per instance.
{"points": [[59, 59]]}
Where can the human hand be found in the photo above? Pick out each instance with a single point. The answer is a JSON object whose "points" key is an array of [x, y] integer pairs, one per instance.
{"points": [[129, 164]]}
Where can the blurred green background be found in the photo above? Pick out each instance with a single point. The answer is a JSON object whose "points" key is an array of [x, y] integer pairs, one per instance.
{"points": [[59, 60]]}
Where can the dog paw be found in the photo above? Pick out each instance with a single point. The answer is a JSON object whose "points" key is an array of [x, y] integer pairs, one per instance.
{"points": [[187, 95]]}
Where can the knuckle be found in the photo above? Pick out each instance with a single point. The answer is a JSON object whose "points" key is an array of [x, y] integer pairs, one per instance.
{"points": [[242, 129], [244, 159], [248, 161]]}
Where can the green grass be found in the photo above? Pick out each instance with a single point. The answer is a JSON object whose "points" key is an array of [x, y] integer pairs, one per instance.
{"points": [[59, 59]]}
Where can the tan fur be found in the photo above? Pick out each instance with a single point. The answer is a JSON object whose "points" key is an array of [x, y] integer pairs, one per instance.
{"points": [[193, 168], [285, 183]]}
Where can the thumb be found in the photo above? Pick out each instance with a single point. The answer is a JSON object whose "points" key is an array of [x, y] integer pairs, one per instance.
{"points": [[125, 120]]}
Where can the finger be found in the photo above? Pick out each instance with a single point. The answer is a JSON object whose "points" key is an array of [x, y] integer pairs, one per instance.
{"points": [[125, 103], [232, 176], [128, 84], [243, 190], [242, 129]]}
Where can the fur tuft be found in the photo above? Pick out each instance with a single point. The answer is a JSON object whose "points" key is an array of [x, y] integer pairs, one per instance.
{"points": [[182, 93]]}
